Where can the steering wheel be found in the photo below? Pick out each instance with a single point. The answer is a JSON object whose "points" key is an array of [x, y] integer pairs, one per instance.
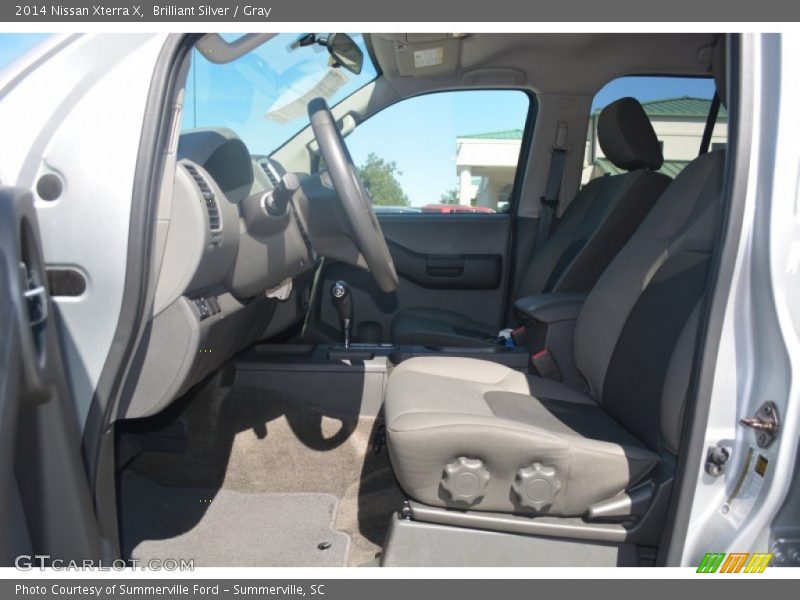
{"points": [[353, 198]]}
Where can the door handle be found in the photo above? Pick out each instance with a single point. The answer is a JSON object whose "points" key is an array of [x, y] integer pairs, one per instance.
{"points": [[444, 266], [37, 293], [35, 296]]}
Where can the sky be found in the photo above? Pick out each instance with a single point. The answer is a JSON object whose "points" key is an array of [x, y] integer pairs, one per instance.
{"points": [[262, 96], [653, 88], [420, 134]]}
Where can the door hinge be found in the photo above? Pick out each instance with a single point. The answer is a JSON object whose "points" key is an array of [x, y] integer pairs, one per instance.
{"points": [[765, 423]]}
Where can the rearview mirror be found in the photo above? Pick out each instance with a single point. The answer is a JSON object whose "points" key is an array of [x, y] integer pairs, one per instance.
{"points": [[345, 52]]}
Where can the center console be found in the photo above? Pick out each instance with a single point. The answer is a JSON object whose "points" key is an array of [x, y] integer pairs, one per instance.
{"points": [[549, 323], [349, 378], [344, 380]]}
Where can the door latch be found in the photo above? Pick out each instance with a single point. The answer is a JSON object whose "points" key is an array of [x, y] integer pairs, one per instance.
{"points": [[716, 459], [765, 423]]}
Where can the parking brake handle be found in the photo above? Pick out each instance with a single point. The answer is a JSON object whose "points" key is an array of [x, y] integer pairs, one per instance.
{"points": [[343, 301]]}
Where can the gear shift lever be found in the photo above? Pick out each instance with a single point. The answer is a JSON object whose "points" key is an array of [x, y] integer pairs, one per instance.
{"points": [[342, 299]]}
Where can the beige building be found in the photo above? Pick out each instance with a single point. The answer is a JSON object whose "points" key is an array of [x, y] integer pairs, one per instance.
{"points": [[486, 162]]}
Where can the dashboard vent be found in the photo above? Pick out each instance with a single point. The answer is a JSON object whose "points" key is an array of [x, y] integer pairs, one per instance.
{"points": [[208, 196], [270, 171]]}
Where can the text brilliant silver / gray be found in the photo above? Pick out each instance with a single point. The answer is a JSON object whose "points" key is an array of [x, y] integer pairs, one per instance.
{"points": [[208, 10]]}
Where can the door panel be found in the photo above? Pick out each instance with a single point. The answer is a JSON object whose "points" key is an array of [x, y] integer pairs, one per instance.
{"points": [[45, 505], [454, 262], [448, 271]]}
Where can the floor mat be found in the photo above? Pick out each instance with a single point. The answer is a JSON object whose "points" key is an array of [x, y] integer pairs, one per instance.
{"points": [[257, 442], [224, 528]]}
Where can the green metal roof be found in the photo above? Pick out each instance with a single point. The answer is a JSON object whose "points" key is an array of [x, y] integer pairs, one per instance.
{"points": [[670, 167], [673, 167], [685, 107], [508, 134]]}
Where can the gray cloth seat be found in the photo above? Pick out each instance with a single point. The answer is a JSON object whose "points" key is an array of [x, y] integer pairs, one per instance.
{"points": [[455, 419], [592, 230], [465, 433], [438, 410]]}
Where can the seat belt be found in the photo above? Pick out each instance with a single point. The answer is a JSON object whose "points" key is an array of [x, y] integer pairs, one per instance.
{"points": [[711, 121], [549, 201]]}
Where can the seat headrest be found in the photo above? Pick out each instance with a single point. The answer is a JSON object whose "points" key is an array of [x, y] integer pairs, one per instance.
{"points": [[719, 69], [627, 137]]}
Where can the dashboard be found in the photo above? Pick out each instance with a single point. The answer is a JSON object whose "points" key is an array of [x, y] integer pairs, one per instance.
{"points": [[227, 268]]}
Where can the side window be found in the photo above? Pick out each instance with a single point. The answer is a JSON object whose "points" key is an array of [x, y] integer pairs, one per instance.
{"points": [[678, 108], [449, 152]]}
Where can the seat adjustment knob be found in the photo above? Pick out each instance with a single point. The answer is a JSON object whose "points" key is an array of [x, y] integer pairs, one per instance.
{"points": [[536, 486], [465, 480]]}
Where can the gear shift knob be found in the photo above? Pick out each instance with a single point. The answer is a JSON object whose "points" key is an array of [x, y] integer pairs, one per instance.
{"points": [[343, 301]]}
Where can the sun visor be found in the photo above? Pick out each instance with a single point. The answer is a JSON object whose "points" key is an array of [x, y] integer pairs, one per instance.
{"points": [[428, 58]]}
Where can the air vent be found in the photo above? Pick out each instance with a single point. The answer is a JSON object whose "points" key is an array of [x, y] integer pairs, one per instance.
{"points": [[270, 171], [208, 196]]}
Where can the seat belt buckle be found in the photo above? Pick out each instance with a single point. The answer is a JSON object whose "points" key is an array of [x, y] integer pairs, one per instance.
{"points": [[544, 365]]}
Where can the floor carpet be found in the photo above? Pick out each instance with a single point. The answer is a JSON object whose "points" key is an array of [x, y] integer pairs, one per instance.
{"points": [[224, 528], [255, 444]]}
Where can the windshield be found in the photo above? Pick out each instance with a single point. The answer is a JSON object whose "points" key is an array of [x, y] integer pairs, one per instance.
{"points": [[262, 95]]}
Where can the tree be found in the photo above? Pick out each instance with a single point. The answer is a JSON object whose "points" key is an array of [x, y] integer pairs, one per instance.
{"points": [[450, 197], [380, 180]]}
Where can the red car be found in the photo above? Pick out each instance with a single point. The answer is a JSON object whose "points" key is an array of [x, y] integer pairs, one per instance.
{"points": [[456, 208]]}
